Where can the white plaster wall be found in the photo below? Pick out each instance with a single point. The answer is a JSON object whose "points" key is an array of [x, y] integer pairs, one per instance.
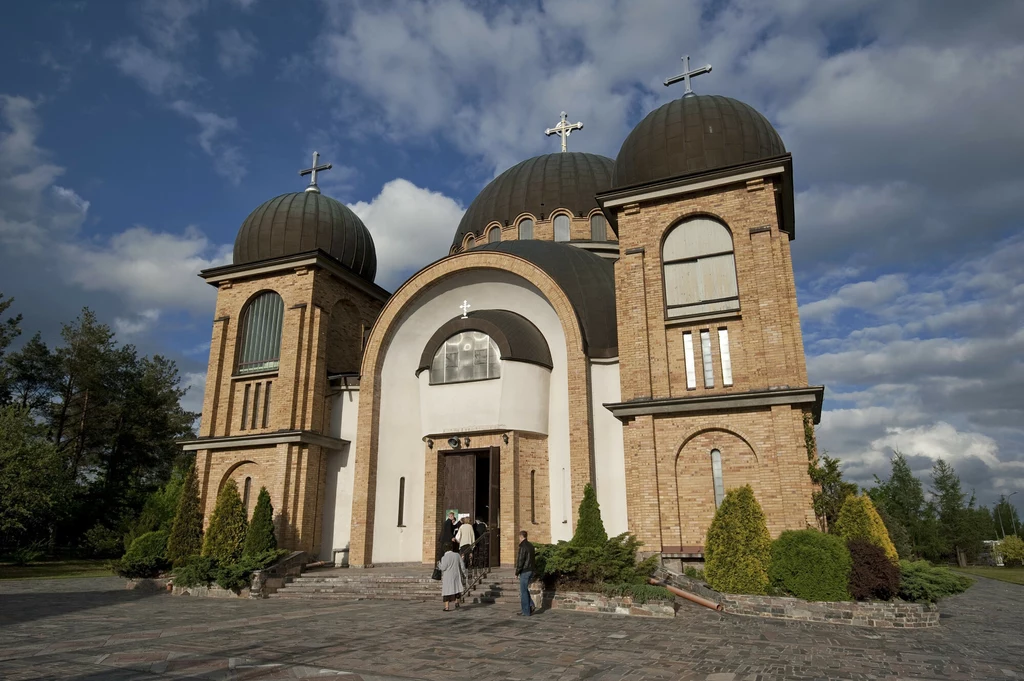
{"points": [[337, 523], [402, 427], [609, 453], [518, 400]]}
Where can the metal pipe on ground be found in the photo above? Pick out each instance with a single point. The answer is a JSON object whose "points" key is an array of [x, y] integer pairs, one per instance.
{"points": [[687, 595]]}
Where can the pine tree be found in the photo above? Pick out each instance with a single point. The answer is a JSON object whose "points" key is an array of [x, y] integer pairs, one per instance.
{"points": [[737, 551], [827, 500], [226, 533], [858, 519], [259, 538], [590, 528], [186, 538]]}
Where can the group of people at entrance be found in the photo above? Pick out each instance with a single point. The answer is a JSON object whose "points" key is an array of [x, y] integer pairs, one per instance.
{"points": [[452, 565]]}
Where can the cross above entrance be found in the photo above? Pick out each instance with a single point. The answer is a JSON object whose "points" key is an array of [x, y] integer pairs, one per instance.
{"points": [[313, 171], [687, 74], [563, 129], [465, 308]]}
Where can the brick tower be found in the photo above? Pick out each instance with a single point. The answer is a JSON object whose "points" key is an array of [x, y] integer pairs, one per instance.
{"points": [[290, 315], [713, 376]]}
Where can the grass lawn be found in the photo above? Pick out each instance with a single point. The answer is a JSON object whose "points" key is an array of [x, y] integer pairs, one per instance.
{"points": [[57, 569], [1014, 575]]}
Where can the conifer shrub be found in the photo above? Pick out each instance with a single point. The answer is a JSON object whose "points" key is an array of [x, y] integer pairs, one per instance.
{"points": [[259, 538], [195, 571], [858, 519], [590, 528], [186, 538], [737, 551], [810, 565], [238, 576], [145, 558], [921, 582], [873, 576], [149, 545], [226, 533]]}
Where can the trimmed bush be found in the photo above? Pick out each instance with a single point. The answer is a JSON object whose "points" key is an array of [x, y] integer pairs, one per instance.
{"points": [[640, 593], [186, 537], [146, 557], [1012, 550], [693, 573], [226, 533], [874, 577], [238, 576], [590, 528], [149, 545], [858, 519], [259, 538], [810, 565], [568, 565], [195, 571], [922, 582], [737, 551]]}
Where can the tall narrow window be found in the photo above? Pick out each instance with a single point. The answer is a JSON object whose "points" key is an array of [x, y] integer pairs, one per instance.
{"points": [[723, 348], [566, 497], [401, 502], [598, 228], [705, 355], [526, 229], [716, 474], [266, 406], [700, 269], [256, 405], [260, 348], [247, 490], [533, 497], [561, 227], [245, 407], [691, 370], [494, 235], [466, 356]]}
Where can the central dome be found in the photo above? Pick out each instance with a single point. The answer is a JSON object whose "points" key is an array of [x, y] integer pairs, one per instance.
{"points": [[300, 222], [695, 134], [538, 186]]}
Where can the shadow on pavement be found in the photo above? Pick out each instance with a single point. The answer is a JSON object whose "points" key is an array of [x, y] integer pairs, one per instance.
{"points": [[26, 607]]}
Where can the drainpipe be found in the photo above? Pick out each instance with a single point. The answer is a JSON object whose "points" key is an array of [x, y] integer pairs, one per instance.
{"points": [[687, 595]]}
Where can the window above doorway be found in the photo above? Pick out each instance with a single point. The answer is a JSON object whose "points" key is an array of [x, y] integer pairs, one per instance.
{"points": [[466, 356]]}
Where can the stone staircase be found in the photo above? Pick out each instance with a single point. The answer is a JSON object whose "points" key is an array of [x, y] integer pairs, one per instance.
{"points": [[500, 586]]}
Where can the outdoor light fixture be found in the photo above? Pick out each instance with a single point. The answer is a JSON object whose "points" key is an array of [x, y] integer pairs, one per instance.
{"points": [[504, 438], [430, 443], [467, 441], [453, 442]]}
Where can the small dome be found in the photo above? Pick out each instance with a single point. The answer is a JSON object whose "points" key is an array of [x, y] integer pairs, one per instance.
{"points": [[306, 221], [538, 186], [694, 134]]}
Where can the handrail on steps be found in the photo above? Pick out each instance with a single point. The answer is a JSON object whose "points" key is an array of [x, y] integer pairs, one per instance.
{"points": [[687, 595]]}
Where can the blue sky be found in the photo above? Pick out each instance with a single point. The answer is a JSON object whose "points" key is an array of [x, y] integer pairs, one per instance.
{"points": [[135, 137]]}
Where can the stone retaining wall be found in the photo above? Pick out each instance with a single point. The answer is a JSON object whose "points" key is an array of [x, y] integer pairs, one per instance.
{"points": [[615, 605]]}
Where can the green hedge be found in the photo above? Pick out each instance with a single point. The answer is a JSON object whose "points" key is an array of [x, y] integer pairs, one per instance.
{"points": [[640, 593], [235, 575], [737, 551], [922, 582], [146, 557], [811, 565], [149, 545]]}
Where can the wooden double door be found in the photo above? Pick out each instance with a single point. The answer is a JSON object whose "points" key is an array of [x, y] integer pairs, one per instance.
{"points": [[470, 483]]}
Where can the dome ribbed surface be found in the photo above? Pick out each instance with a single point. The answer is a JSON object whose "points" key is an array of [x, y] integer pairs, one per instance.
{"points": [[538, 186], [694, 134], [299, 222]]}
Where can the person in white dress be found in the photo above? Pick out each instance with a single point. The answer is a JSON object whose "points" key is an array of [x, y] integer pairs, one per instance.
{"points": [[452, 570]]}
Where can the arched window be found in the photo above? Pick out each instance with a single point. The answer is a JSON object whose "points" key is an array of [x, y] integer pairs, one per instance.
{"points": [[716, 474], [494, 235], [245, 495], [526, 229], [561, 227], [466, 356], [700, 270], [598, 228], [260, 349], [470, 242]]}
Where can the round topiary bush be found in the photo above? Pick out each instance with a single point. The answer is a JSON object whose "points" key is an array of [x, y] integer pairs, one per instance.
{"points": [[148, 546], [873, 577], [858, 519], [737, 551], [811, 565]]}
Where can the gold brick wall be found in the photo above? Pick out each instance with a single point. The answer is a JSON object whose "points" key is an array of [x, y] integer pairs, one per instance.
{"points": [[543, 230]]}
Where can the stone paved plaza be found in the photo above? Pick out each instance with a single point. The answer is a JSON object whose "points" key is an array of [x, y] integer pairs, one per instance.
{"points": [[93, 629]]}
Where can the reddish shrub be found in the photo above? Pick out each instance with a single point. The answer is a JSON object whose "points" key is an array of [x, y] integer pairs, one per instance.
{"points": [[873, 576]]}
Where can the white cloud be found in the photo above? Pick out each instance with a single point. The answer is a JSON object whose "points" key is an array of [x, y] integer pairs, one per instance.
{"points": [[156, 73], [168, 22], [235, 51], [195, 383], [227, 158], [863, 295], [411, 226], [136, 324]]}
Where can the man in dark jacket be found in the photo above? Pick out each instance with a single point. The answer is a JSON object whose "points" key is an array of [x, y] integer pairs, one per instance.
{"points": [[525, 567]]}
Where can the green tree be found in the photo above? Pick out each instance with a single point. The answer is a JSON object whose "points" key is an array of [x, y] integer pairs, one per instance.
{"points": [[1006, 518], [186, 538], [858, 519], [590, 528], [160, 508], [832, 492], [897, 533], [959, 524], [737, 551], [31, 371], [1012, 550], [10, 329], [31, 488], [259, 538], [226, 533]]}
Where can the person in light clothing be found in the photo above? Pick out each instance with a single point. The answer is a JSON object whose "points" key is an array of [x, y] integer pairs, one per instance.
{"points": [[465, 537], [452, 569]]}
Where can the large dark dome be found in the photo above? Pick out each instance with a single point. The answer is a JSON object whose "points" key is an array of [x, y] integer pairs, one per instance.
{"points": [[537, 186], [306, 221], [695, 134]]}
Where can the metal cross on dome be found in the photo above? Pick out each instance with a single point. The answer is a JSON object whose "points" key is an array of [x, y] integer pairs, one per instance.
{"points": [[563, 129], [313, 171], [465, 308], [687, 74]]}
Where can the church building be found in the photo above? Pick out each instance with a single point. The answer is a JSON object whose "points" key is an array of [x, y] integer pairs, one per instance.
{"points": [[629, 323]]}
